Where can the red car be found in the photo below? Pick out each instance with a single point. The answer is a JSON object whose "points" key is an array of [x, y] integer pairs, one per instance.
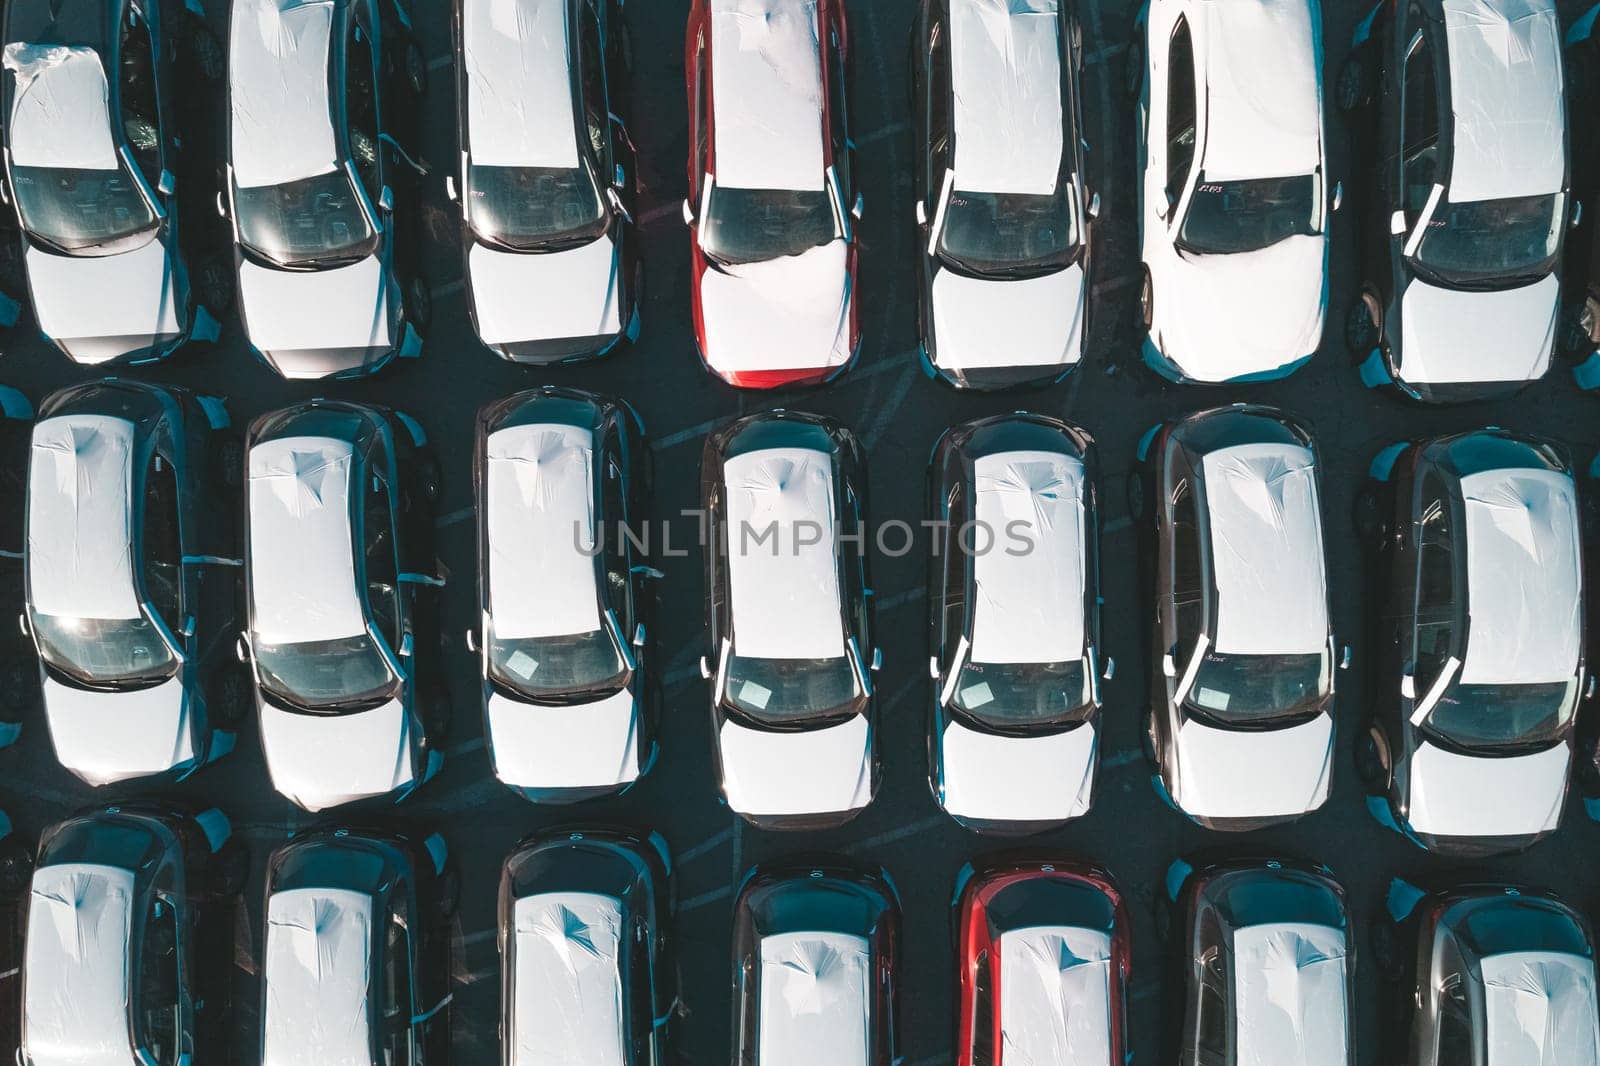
{"points": [[1046, 958], [772, 206]]}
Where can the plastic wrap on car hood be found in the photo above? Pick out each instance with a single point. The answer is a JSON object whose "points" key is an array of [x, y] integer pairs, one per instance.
{"points": [[316, 970], [1540, 1009], [1290, 986], [815, 1000], [1263, 119], [782, 314], [587, 745], [519, 83], [80, 485], [76, 964], [1055, 996], [566, 997], [323, 760], [520, 297], [1005, 67], [766, 89], [105, 737], [59, 112], [282, 128]]}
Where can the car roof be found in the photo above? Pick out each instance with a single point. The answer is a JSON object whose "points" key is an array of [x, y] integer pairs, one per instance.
{"points": [[80, 502], [784, 594], [76, 966], [1290, 985], [766, 89], [1028, 603], [302, 543], [1506, 96], [59, 111], [1524, 577], [280, 112], [539, 518], [815, 999], [1055, 995], [566, 995], [317, 968], [1005, 68], [1539, 1007], [518, 65], [1265, 522]]}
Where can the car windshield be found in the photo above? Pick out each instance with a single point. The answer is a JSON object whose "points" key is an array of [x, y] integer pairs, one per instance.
{"points": [[345, 674], [792, 690], [118, 652], [1499, 716], [1011, 695], [1009, 234], [757, 225], [1486, 241], [582, 664], [529, 208], [77, 210], [1246, 216], [313, 221], [1257, 689]]}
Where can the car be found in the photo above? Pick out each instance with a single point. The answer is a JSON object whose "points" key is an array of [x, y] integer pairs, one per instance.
{"points": [[1578, 329], [1242, 673], [342, 638], [16, 873], [132, 579], [772, 206], [586, 976], [1045, 953], [789, 620], [570, 696], [1479, 654], [356, 963], [1492, 974], [1014, 623], [1463, 217], [815, 947], [1267, 962], [1005, 231], [129, 950], [93, 142], [323, 186], [546, 193], [1234, 188], [19, 663]]}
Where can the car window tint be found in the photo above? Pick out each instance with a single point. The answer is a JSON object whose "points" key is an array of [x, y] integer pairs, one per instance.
{"points": [[1420, 129], [955, 576], [592, 71], [381, 567], [141, 117], [361, 109], [838, 114], [162, 552], [397, 1006], [158, 982], [1454, 1034], [642, 1003], [1180, 111], [982, 1012], [1188, 596], [1435, 584], [702, 125], [614, 518], [939, 80], [1211, 1012]]}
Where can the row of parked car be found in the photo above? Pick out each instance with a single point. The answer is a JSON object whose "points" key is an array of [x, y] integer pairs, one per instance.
{"points": [[119, 943], [1464, 175]]}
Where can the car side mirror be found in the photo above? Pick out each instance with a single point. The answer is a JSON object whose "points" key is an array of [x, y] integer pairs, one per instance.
{"points": [[1588, 688], [705, 668], [858, 208], [1338, 195], [386, 200], [688, 213], [406, 645], [241, 648], [877, 660], [450, 188], [615, 199], [22, 623], [1110, 670], [1397, 223], [933, 667], [472, 641], [1344, 658], [166, 183], [921, 211], [187, 630], [222, 205], [1094, 205], [1577, 213], [1169, 665], [638, 635], [1408, 685], [619, 175]]}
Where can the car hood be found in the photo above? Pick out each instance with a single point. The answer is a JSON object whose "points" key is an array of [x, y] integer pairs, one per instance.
{"points": [[981, 322], [344, 309], [1224, 317], [1021, 779], [105, 737], [785, 314], [1449, 336], [1454, 795], [528, 296], [814, 771], [1270, 773], [320, 761], [105, 307], [591, 745]]}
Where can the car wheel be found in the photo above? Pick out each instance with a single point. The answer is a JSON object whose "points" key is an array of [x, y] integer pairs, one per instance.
{"points": [[416, 69], [419, 304], [229, 459], [1354, 87], [1366, 515], [1147, 298], [229, 870], [1580, 329], [1362, 326], [230, 697], [1135, 495], [1372, 758], [210, 62], [16, 866], [216, 282]]}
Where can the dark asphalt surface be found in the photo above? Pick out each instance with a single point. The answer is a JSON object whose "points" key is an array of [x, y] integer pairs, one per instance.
{"points": [[898, 414]]}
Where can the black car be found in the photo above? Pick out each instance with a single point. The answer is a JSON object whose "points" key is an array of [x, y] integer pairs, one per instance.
{"points": [[585, 971], [815, 946], [546, 195], [1578, 333], [19, 670], [1456, 110], [356, 959], [133, 578], [16, 870]]}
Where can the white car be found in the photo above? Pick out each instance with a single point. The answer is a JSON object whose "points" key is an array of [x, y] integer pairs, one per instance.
{"points": [[1233, 187]]}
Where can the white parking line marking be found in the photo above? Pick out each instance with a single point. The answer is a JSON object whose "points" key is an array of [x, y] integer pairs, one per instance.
{"points": [[704, 899], [440, 62], [694, 432], [886, 412], [1100, 55], [893, 129], [445, 521], [659, 212], [706, 846], [908, 830]]}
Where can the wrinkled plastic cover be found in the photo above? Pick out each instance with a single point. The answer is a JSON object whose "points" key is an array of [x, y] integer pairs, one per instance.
{"points": [[59, 113], [1290, 986], [1540, 1009], [1524, 577], [1005, 66], [807, 771], [1028, 606], [786, 313], [1055, 996], [766, 89], [983, 322], [76, 962], [302, 560], [784, 592], [1263, 119], [566, 997], [1506, 91], [278, 75], [80, 481], [316, 969], [519, 83], [815, 1000], [1266, 547], [1233, 773]]}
